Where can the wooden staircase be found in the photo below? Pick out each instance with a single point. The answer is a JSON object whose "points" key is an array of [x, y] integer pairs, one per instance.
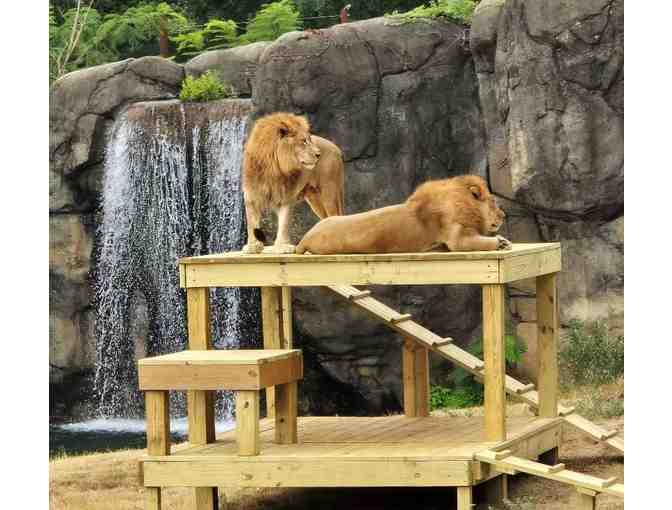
{"points": [[505, 462], [403, 324]]}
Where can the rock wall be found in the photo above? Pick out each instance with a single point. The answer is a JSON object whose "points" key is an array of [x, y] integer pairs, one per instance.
{"points": [[536, 105], [551, 79]]}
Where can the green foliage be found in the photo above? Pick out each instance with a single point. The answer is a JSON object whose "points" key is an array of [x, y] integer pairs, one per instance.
{"points": [[590, 355], [73, 43], [207, 87], [137, 25], [441, 397], [272, 21], [465, 390], [215, 35], [459, 11], [84, 38]]}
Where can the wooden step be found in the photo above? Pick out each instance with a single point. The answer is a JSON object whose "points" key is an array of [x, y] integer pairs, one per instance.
{"points": [[443, 342], [400, 318], [558, 472], [525, 389], [359, 295]]}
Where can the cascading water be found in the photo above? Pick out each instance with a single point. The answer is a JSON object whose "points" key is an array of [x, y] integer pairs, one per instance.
{"points": [[171, 189]]}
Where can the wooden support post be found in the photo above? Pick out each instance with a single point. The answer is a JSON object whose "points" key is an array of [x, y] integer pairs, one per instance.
{"points": [[157, 416], [200, 404], [247, 422], [586, 499], [286, 407], [415, 365], [276, 314], [495, 367], [152, 498], [465, 498], [547, 345]]}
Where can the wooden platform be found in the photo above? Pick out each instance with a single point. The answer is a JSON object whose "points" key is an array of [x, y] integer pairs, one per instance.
{"points": [[354, 452], [235, 269]]}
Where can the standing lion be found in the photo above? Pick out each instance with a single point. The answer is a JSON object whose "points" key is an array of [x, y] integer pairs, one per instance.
{"points": [[284, 164]]}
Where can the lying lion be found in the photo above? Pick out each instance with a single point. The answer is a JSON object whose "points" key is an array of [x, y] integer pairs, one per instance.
{"points": [[283, 164], [457, 213]]}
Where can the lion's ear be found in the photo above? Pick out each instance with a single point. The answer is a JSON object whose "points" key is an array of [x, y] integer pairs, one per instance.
{"points": [[283, 130], [477, 191]]}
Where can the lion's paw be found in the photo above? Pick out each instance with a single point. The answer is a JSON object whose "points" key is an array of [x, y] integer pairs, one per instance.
{"points": [[253, 247], [281, 249], [503, 243]]}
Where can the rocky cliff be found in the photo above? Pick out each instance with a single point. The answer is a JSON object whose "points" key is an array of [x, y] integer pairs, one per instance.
{"points": [[533, 100]]}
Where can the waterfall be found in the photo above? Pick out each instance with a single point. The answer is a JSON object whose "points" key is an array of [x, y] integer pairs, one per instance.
{"points": [[171, 189]]}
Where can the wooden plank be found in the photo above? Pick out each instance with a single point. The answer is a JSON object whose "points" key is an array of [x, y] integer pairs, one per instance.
{"points": [[586, 502], [221, 357], [198, 376], [547, 345], [247, 422], [200, 404], [337, 273], [415, 367], [286, 407], [530, 265], [495, 369], [465, 499], [271, 313], [238, 257], [259, 472], [565, 476], [400, 318], [157, 416], [287, 337], [152, 498]]}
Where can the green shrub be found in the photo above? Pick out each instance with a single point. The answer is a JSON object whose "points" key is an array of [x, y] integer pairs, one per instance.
{"points": [[207, 87], [441, 397], [465, 390], [590, 355], [458, 11]]}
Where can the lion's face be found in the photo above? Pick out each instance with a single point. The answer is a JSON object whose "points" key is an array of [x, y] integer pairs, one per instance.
{"points": [[297, 151], [492, 214]]}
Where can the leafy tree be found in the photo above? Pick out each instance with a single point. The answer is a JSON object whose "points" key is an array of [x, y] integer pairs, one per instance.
{"points": [[140, 24], [272, 21], [73, 43], [216, 34]]}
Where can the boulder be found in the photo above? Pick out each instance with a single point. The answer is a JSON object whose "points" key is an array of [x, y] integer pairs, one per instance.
{"points": [[82, 105], [235, 66]]}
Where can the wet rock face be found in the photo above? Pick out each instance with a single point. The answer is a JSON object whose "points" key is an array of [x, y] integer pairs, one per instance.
{"points": [[401, 101], [82, 107]]}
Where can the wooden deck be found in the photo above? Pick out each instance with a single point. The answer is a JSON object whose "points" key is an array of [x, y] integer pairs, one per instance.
{"points": [[354, 452], [235, 269]]}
